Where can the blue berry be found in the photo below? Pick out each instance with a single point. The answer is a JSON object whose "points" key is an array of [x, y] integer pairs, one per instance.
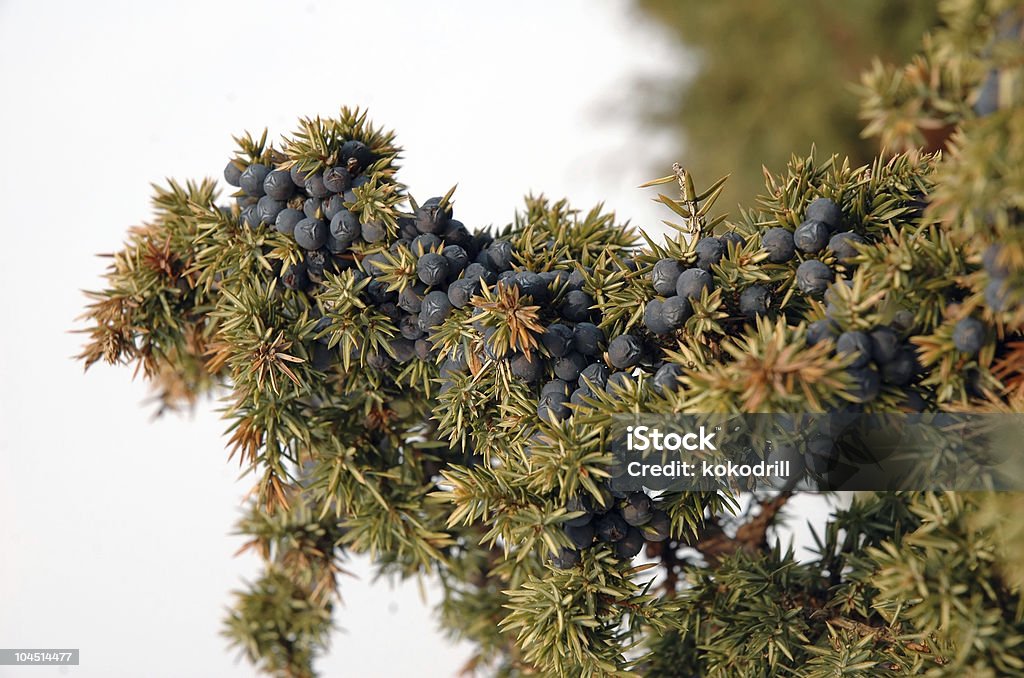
{"points": [[553, 406], [233, 174], [250, 216], [620, 380], [422, 244], [456, 233], [675, 311], [578, 503], [577, 306], [569, 366], [734, 238], [462, 291], [557, 339], [857, 345], [403, 349], [901, 370], [252, 178], [432, 269], [652, 318], [595, 374], [826, 211], [410, 299], [268, 208], [295, 277], [566, 559], [530, 284], [582, 536], [820, 330], [664, 275], [659, 527], [298, 176], [345, 229], [332, 206], [994, 262], [969, 336], [638, 509], [279, 185], [555, 386], [337, 180], [692, 282], [625, 351], [709, 252], [754, 301], [885, 345], [667, 377], [481, 273], [435, 309], [987, 102], [356, 155], [499, 255], [587, 338], [315, 186], [311, 234], [409, 327], [842, 244], [373, 231], [457, 258], [811, 237], [431, 218], [997, 295], [813, 277], [630, 545], [526, 367], [611, 527], [313, 208], [778, 242]]}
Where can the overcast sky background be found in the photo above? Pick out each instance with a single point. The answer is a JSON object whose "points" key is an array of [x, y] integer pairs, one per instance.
{"points": [[115, 529]]}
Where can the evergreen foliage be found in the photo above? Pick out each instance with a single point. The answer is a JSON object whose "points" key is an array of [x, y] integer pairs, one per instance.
{"points": [[466, 438]]}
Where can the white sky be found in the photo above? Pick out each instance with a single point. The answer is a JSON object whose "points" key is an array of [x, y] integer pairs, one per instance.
{"points": [[114, 530]]}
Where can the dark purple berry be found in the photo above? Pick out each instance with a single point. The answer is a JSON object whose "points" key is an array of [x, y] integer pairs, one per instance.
{"points": [[659, 527], [568, 367], [625, 351], [901, 370], [587, 338], [356, 155], [409, 327], [811, 237], [553, 407], [311, 234], [778, 242], [692, 282], [594, 374], [843, 245], [566, 559], [422, 244], [313, 208], [295, 277], [820, 330], [866, 383], [825, 211], [252, 179], [461, 292], [885, 345], [652, 318], [637, 509], [667, 377], [630, 545], [432, 269], [457, 258], [298, 176], [675, 311], [577, 306], [709, 252], [611, 527], [664, 276], [268, 208], [581, 536], [754, 301], [813, 277], [557, 339]]}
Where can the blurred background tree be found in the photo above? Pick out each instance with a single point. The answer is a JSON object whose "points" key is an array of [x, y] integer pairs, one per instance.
{"points": [[773, 78]]}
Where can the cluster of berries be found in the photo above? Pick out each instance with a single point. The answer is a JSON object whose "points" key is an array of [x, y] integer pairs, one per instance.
{"points": [[626, 521], [823, 229], [311, 207]]}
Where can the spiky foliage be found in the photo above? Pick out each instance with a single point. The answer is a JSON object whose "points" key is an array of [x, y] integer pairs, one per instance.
{"points": [[443, 464]]}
